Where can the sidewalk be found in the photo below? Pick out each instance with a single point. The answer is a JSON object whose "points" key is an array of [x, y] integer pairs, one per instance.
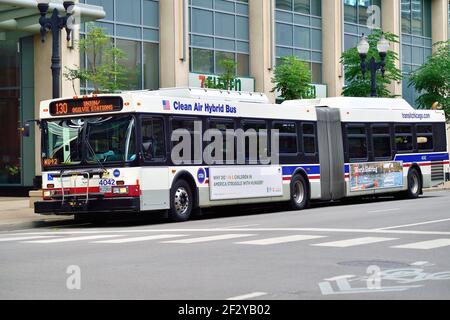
{"points": [[16, 212], [443, 187]]}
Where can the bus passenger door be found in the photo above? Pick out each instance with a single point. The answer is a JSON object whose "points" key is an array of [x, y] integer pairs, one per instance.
{"points": [[331, 153]]}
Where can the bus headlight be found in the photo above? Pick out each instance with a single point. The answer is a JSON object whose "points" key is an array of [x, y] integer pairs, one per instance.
{"points": [[120, 190], [47, 194]]}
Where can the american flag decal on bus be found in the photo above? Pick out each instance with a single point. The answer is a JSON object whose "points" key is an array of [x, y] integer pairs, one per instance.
{"points": [[166, 105]]}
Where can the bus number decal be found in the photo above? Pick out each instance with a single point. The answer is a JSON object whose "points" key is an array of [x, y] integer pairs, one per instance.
{"points": [[107, 182]]}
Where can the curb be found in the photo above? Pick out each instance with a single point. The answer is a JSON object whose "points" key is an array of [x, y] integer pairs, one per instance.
{"points": [[436, 189]]}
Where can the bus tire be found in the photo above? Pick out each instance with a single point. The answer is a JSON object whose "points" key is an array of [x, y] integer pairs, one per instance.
{"points": [[414, 184], [299, 193], [181, 201]]}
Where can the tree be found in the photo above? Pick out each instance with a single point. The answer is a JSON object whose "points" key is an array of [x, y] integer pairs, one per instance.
{"points": [[104, 70], [359, 86], [292, 79], [432, 79], [227, 79]]}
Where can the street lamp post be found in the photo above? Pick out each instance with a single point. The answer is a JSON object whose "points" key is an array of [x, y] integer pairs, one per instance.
{"points": [[373, 66], [55, 23]]}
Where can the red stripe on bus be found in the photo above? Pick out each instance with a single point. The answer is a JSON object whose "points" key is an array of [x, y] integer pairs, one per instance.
{"points": [[133, 191]]}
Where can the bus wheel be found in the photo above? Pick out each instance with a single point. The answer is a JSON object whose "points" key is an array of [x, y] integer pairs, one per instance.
{"points": [[414, 184], [181, 201], [299, 193]]}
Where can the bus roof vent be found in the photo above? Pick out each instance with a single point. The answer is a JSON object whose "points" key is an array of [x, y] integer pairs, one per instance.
{"points": [[201, 93]]}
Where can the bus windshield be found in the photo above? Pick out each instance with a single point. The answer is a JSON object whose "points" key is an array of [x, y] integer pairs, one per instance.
{"points": [[90, 140]]}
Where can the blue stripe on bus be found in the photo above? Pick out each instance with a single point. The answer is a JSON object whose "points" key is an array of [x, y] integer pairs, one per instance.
{"points": [[311, 169], [407, 158], [421, 157]]}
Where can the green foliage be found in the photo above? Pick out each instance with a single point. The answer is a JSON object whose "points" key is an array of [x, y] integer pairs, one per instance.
{"points": [[357, 86], [432, 79], [292, 79], [104, 70], [13, 170], [226, 79]]}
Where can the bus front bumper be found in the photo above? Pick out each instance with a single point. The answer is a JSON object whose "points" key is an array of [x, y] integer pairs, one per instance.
{"points": [[69, 207]]}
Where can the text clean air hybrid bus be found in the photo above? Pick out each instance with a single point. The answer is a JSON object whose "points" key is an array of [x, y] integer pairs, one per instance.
{"points": [[121, 152]]}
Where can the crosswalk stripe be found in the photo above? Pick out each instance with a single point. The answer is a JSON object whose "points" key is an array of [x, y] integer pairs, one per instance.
{"points": [[277, 240], [25, 238], [425, 245], [70, 239], [145, 238], [353, 242], [210, 238]]}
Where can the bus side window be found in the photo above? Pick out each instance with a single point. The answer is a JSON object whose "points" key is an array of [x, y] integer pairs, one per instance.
{"points": [[255, 125], [223, 125], [309, 138], [381, 142], [153, 146], [424, 137], [288, 137], [403, 138], [357, 142]]}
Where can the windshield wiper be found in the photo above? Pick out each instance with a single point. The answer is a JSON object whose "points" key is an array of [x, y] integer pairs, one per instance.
{"points": [[88, 144]]}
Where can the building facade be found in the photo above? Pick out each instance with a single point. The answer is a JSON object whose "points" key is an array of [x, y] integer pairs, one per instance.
{"points": [[172, 43]]}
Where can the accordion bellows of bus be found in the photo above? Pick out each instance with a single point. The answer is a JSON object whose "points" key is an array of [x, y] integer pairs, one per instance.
{"points": [[181, 149]]}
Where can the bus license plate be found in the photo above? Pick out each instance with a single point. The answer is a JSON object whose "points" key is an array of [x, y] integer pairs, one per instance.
{"points": [[105, 189]]}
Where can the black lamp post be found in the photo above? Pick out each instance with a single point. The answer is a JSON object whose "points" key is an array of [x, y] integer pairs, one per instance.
{"points": [[54, 24], [373, 66]]}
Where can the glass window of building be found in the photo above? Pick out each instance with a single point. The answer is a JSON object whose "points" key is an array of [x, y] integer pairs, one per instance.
{"points": [[218, 29], [10, 151], [134, 28], [358, 19], [298, 27], [416, 41]]}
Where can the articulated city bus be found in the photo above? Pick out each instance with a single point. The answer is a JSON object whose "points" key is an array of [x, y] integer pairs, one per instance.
{"points": [[144, 151]]}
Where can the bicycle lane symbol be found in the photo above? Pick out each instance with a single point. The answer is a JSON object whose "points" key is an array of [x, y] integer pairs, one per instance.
{"points": [[402, 278]]}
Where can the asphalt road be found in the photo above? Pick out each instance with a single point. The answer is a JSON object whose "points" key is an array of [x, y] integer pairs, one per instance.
{"points": [[377, 249]]}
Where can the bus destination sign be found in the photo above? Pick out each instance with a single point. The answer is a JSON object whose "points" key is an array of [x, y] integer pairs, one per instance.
{"points": [[86, 106]]}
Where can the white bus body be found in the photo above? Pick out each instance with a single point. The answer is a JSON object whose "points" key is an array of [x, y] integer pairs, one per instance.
{"points": [[139, 186]]}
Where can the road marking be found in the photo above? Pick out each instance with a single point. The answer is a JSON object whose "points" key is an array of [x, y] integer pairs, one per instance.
{"points": [[414, 224], [24, 238], [74, 239], [353, 242], [425, 245], [422, 263], [385, 210], [210, 238], [248, 296], [241, 226], [277, 240], [144, 238], [209, 230]]}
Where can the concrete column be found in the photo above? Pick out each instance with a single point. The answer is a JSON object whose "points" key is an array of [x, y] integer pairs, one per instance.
{"points": [[439, 20], [70, 57], [262, 45], [332, 44], [391, 22], [174, 43]]}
